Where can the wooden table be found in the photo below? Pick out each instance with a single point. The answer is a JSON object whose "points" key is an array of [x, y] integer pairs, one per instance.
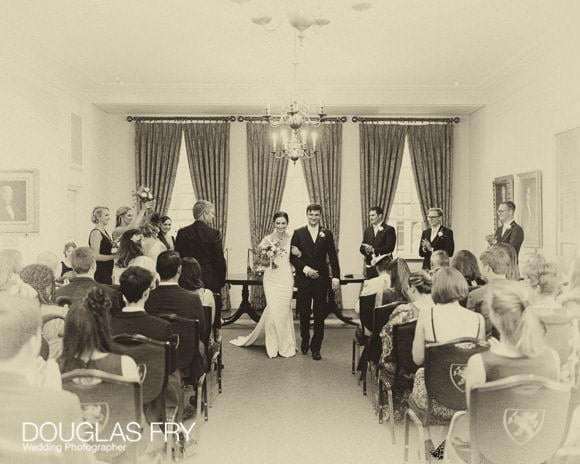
{"points": [[246, 281]]}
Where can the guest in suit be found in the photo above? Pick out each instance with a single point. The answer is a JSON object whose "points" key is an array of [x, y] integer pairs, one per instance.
{"points": [[316, 246], [436, 237], [135, 285], [25, 398], [509, 231], [204, 243], [169, 297], [84, 266], [378, 239]]}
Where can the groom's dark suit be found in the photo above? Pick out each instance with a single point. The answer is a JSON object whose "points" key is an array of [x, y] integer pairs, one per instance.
{"points": [[514, 235], [315, 255]]}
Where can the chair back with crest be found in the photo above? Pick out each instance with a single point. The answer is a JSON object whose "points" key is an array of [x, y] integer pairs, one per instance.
{"points": [[108, 402], [445, 365], [518, 420]]}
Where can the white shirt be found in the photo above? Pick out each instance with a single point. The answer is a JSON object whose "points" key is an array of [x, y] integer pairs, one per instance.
{"points": [[376, 228], [313, 232], [434, 233], [504, 227]]}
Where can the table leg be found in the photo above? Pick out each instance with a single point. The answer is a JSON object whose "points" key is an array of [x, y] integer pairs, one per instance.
{"points": [[333, 308], [245, 308]]}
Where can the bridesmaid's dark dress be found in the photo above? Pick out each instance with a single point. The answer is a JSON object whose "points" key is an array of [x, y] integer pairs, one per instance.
{"points": [[104, 272]]}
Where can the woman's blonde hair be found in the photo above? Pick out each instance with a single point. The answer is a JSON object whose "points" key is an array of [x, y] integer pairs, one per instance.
{"points": [[120, 214], [520, 327], [10, 264], [97, 213], [543, 275], [449, 286]]}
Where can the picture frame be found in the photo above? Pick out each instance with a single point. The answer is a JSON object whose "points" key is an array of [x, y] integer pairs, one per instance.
{"points": [[19, 201], [503, 190], [529, 208]]}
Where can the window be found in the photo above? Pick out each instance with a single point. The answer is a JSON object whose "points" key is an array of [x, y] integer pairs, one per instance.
{"points": [[295, 197], [405, 213], [183, 197]]}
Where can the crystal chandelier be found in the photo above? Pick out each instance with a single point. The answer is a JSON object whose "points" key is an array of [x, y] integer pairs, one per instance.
{"points": [[291, 140]]}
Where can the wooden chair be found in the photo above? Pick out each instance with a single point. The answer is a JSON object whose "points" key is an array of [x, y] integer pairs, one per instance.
{"points": [[445, 383], [518, 420], [108, 401], [405, 368], [360, 338], [214, 360], [190, 359]]}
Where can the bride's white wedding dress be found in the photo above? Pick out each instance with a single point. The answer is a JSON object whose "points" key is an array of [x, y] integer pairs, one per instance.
{"points": [[276, 326]]}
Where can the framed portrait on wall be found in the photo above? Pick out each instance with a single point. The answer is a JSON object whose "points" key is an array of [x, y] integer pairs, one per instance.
{"points": [[529, 210], [503, 190], [19, 201]]}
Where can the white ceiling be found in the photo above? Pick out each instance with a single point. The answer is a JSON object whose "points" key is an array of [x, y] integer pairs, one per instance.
{"points": [[176, 55]]}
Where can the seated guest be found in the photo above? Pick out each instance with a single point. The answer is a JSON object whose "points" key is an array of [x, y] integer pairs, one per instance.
{"points": [[396, 289], [466, 263], [169, 297], [544, 280], [513, 272], [135, 286], [419, 297], [190, 279], [130, 247], [10, 281], [495, 263], [66, 269], [25, 398], [87, 340], [41, 279], [521, 350], [376, 285], [445, 321], [439, 259], [84, 266]]}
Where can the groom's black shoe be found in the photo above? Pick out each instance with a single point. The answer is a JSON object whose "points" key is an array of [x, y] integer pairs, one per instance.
{"points": [[304, 346], [316, 356]]}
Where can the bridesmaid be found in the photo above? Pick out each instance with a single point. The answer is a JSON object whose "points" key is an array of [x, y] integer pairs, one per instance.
{"points": [[101, 243]]}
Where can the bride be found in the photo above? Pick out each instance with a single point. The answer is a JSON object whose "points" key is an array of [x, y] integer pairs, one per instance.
{"points": [[276, 326]]}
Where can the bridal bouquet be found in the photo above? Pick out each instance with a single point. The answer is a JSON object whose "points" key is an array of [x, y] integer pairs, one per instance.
{"points": [[144, 194], [267, 253]]}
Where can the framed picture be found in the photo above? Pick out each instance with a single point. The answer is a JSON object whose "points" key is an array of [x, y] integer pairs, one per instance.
{"points": [[19, 201], [503, 190], [529, 207]]}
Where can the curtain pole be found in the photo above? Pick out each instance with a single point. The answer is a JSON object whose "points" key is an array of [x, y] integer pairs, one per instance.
{"points": [[181, 118], [441, 120]]}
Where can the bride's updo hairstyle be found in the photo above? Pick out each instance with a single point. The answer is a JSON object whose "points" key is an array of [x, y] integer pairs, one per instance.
{"points": [[279, 214]]}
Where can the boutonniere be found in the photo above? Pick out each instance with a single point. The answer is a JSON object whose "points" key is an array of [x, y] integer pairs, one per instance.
{"points": [[321, 234], [439, 234], [380, 229], [509, 226]]}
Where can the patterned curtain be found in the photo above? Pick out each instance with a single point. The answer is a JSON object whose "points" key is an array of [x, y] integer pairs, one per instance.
{"points": [[431, 149], [381, 156], [156, 157], [208, 155], [266, 182], [323, 178]]}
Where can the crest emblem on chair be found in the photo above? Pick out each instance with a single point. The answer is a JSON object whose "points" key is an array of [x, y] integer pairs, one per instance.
{"points": [[457, 376], [96, 414], [522, 425]]}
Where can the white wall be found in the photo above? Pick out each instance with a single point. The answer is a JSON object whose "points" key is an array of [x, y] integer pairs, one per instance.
{"points": [[36, 134], [516, 133]]}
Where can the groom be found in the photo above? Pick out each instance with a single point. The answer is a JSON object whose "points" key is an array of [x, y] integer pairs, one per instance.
{"points": [[315, 245]]}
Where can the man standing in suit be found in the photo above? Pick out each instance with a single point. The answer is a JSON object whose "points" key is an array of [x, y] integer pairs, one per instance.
{"points": [[204, 243], [378, 239], [316, 245], [436, 237], [509, 231]]}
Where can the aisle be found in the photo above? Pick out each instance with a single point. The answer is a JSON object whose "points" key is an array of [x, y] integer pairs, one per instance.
{"points": [[293, 410]]}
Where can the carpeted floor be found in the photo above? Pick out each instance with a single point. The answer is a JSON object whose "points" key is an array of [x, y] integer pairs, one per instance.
{"points": [[296, 410]]}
